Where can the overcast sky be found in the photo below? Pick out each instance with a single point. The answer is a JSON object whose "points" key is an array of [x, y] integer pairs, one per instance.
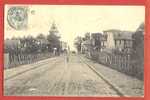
{"points": [[76, 20]]}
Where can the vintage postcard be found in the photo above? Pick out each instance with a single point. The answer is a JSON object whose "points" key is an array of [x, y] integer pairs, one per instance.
{"points": [[74, 50]]}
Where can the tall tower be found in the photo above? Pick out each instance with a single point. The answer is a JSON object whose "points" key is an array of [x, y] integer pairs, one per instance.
{"points": [[54, 30]]}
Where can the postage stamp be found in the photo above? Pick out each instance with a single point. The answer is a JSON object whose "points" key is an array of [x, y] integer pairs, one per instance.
{"points": [[17, 17]]}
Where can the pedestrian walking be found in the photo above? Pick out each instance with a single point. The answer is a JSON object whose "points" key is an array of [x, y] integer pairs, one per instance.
{"points": [[67, 58]]}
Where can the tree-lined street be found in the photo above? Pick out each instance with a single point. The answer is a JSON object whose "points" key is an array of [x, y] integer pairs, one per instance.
{"points": [[58, 77], [74, 51]]}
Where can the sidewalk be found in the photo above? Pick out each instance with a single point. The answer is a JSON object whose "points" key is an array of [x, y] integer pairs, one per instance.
{"points": [[19, 69], [130, 86]]}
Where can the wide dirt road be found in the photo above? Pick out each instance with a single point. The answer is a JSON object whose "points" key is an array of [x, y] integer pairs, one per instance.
{"points": [[56, 77]]}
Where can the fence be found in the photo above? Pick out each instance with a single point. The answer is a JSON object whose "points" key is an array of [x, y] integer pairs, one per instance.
{"points": [[121, 62], [13, 60]]}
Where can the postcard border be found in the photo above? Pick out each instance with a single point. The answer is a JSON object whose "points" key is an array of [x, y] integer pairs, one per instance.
{"points": [[145, 3]]}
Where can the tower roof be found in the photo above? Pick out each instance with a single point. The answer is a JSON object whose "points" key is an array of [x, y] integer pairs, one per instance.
{"points": [[54, 29]]}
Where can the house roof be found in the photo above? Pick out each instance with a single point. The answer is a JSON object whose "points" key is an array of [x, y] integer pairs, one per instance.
{"points": [[100, 36], [124, 35], [112, 30], [96, 34], [121, 35]]}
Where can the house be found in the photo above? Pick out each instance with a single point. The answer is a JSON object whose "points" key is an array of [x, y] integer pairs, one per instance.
{"points": [[103, 42], [98, 41], [119, 40], [95, 39]]}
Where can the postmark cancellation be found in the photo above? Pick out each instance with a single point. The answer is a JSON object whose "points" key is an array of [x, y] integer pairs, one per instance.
{"points": [[17, 17]]}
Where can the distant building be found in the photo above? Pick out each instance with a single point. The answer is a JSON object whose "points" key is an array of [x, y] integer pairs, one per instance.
{"points": [[119, 40], [86, 46], [103, 42], [54, 30], [98, 41]]}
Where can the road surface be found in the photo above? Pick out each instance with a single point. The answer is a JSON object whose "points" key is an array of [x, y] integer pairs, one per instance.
{"points": [[56, 77]]}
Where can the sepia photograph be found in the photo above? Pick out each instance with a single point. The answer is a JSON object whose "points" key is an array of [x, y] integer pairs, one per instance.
{"points": [[74, 50]]}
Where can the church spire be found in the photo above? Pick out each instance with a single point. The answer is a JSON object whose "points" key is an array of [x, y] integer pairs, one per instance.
{"points": [[53, 29]]}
